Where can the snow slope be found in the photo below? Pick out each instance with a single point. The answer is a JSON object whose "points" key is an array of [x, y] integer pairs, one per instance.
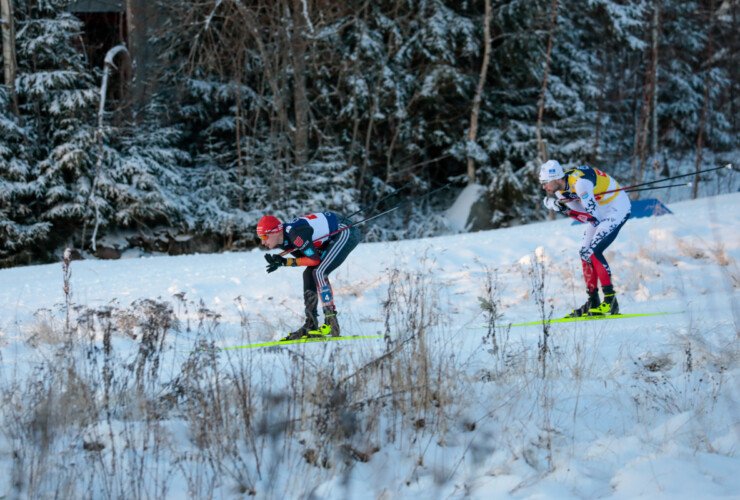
{"points": [[645, 407]]}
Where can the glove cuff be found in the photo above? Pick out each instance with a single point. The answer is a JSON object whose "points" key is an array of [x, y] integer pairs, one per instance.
{"points": [[291, 262]]}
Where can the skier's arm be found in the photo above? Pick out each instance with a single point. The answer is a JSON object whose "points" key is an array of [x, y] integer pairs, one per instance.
{"points": [[582, 217], [302, 239], [585, 191], [571, 211], [305, 261]]}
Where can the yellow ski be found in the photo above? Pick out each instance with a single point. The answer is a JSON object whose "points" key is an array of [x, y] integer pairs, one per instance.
{"points": [[585, 318], [301, 341]]}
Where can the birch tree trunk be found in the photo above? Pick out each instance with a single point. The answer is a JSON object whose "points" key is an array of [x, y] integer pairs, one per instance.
{"points": [[735, 75], [656, 33], [472, 135], [646, 112], [272, 63], [300, 99], [9, 54], [541, 148], [131, 34], [594, 157], [644, 131], [238, 127], [705, 105]]}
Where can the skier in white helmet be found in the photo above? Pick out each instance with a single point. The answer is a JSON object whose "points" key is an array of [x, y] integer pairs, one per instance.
{"points": [[589, 196]]}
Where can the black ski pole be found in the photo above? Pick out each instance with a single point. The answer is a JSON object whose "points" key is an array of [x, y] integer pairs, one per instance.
{"points": [[657, 187], [366, 219], [729, 165], [377, 202], [402, 204]]}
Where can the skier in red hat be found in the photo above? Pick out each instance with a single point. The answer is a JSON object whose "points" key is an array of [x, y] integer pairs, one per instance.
{"points": [[320, 242]]}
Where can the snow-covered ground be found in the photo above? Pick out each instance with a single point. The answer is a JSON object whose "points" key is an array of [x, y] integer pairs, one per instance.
{"points": [[643, 407]]}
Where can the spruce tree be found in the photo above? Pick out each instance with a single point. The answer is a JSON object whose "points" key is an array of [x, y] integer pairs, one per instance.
{"points": [[22, 233], [683, 72], [57, 99]]}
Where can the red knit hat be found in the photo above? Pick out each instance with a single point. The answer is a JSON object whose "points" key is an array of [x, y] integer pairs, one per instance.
{"points": [[269, 224]]}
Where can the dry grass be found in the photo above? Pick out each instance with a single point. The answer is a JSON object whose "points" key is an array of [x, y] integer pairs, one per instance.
{"points": [[136, 402], [112, 381]]}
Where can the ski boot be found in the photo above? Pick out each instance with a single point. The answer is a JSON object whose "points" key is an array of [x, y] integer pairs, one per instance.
{"points": [[304, 332], [591, 304], [331, 325], [609, 306]]}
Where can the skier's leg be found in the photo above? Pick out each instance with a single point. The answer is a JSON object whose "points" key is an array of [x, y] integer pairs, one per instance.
{"points": [[589, 275], [310, 304], [606, 233], [310, 297], [334, 255]]}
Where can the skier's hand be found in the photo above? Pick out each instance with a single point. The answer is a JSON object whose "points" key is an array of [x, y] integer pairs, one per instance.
{"points": [[274, 261], [553, 204]]}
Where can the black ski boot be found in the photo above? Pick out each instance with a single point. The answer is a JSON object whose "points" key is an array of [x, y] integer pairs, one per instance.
{"points": [[306, 331], [609, 306], [593, 302], [331, 325]]}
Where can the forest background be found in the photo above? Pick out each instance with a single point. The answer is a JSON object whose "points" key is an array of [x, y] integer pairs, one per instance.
{"points": [[209, 114]]}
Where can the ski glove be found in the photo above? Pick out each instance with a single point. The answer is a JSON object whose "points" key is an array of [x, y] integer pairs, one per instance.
{"points": [[553, 204], [274, 261]]}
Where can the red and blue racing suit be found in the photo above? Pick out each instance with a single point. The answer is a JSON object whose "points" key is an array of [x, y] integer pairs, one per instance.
{"points": [[319, 242]]}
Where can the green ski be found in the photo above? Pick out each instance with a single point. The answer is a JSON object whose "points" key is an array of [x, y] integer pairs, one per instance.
{"points": [[301, 341], [585, 318]]}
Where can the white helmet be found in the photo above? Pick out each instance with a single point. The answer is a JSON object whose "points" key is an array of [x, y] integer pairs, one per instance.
{"points": [[551, 170]]}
